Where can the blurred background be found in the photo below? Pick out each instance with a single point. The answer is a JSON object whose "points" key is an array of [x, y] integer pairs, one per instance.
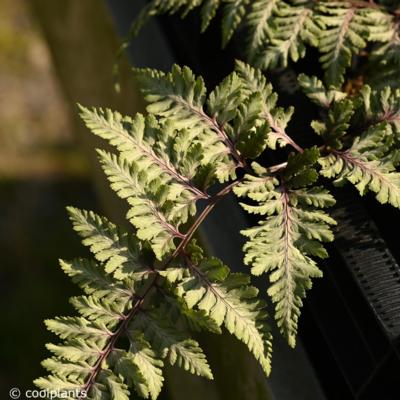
{"points": [[41, 170], [51, 57]]}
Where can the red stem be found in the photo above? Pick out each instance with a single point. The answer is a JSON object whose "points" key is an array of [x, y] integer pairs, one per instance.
{"points": [[132, 312]]}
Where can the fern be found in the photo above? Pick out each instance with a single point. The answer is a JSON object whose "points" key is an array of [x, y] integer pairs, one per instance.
{"points": [[369, 161], [278, 32], [165, 164], [149, 287], [292, 29], [347, 29], [368, 164], [381, 106], [283, 242]]}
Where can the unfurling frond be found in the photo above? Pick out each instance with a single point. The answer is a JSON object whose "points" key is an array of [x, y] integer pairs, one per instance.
{"points": [[282, 244]]}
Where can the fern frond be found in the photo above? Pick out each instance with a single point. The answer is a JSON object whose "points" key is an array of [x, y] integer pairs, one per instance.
{"points": [[250, 128], [150, 366], [91, 359], [368, 165], [278, 31], [156, 171], [208, 12], [316, 91], [381, 106], [238, 120], [389, 75], [345, 29], [282, 243], [58, 384], [336, 124], [145, 292], [389, 52], [224, 100], [258, 23], [146, 200], [139, 140], [108, 244], [277, 118], [293, 27], [180, 97], [172, 342], [90, 277], [233, 13], [229, 300], [96, 309]]}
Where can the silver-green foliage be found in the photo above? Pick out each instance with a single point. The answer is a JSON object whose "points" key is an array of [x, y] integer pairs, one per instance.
{"points": [[148, 288], [283, 243], [278, 31]]}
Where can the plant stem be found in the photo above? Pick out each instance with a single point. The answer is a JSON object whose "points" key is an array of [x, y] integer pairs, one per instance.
{"points": [[114, 338], [136, 306], [214, 200], [276, 168]]}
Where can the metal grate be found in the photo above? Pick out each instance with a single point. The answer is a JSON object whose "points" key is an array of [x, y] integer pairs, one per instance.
{"points": [[371, 262]]}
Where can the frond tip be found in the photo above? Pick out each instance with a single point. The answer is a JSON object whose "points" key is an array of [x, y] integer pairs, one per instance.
{"points": [[282, 244]]}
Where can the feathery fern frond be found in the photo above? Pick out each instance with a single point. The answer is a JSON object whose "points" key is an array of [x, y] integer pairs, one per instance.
{"points": [[91, 359], [150, 287], [237, 118], [283, 243], [228, 299], [156, 172], [336, 124], [275, 117], [180, 97], [345, 29], [172, 342], [258, 22], [369, 161], [381, 106], [233, 13], [316, 91], [109, 245], [280, 31], [292, 28], [368, 165]]}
